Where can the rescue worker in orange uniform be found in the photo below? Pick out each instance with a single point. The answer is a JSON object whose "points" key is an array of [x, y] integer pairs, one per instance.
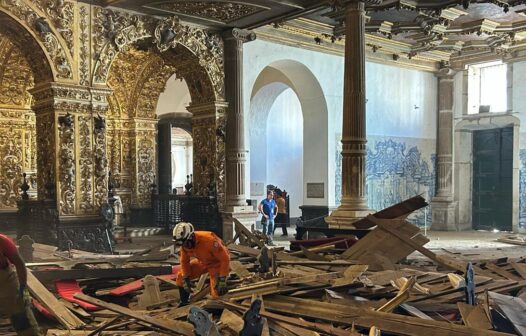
{"points": [[14, 298], [209, 255]]}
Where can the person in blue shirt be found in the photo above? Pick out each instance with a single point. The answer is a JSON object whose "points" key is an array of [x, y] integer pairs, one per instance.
{"points": [[269, 209]]}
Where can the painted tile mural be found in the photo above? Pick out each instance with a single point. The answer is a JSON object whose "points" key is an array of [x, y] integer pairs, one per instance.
{"points": [[397, 169], [522, 190]]}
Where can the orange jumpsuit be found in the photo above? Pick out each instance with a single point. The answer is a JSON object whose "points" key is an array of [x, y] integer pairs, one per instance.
{"points": [[210, 255]]}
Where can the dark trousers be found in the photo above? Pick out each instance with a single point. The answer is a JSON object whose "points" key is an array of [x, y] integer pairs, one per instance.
{"points": [[281, 220]]}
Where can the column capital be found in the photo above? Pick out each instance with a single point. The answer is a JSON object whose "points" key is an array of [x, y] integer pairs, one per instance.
{"points": [[239, 35], [211, 109], [446, 73]]}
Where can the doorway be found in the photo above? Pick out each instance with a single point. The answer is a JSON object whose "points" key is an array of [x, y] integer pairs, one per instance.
{"points": [[493, 179]]}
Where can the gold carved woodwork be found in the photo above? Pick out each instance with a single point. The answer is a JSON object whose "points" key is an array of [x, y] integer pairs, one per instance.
{"points": [[86, 165], [116, 32], [84, 45], [52, 34], [66, 165], [17, 153], [146, 168], [61, 14], [15, 76], [209, 149], [223, 12]]}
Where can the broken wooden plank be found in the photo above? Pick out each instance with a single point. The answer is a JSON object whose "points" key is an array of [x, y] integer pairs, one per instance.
{"points": [[474, 316], [390, 323], [55, 307], [176, 327], [402, 209], [513, 308], [102, 273]]}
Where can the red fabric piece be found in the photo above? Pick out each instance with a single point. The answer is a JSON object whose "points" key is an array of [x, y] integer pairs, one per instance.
{"points": [[137, 284], [43, 310], [342, 242], [7, 251], [66, 289]]}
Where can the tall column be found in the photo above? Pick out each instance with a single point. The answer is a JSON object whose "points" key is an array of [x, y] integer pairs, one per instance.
{"points": [[443, 205], [235, 120], [164, 145], [354, 200], [236, 153]]}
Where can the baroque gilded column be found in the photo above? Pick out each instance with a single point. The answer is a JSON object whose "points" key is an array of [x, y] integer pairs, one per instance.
{"points": [[71, 144], [235, 125], [209, 149], [354, 201], [443, 205]]}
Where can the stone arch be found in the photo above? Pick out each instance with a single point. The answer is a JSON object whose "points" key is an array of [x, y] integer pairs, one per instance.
{"points": [[277, 77], [202, 52], [43, 46]]}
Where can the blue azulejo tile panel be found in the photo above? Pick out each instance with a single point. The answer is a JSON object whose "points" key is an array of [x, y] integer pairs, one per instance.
{"points": [[397, 169], [522, 190]]}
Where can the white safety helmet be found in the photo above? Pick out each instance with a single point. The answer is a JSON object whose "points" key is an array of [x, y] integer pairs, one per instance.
{"points": [[182, 232]]}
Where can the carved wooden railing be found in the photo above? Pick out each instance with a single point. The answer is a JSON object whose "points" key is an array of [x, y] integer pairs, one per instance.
{"points": [[38, 219], [201, 211]]}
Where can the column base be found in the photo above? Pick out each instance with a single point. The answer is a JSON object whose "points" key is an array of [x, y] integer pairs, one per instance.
{"points": [[443, 214], [344, 219], [245, 214]]}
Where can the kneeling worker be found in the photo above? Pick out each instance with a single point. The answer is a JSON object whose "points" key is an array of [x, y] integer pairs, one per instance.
{"points": [[210, 255], [14, 298]]}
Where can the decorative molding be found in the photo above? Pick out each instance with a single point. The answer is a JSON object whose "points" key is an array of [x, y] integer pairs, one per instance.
{"points": [[84, 45], [66, 164], [215, 11], [62, 13]]}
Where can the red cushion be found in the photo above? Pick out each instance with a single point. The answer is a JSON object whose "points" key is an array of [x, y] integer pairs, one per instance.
{"points": [[66, 289], [43, 310], [137, 284]]}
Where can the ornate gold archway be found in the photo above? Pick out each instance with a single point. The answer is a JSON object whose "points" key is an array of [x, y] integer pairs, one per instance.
{"points": [[42, 29], [138, 76]]}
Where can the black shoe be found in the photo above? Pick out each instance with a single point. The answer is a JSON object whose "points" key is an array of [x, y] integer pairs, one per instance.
{"points": [[184, 296], [284, 235]]}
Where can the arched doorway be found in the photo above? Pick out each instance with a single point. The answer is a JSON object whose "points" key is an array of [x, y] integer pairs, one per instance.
{"points": [[139, 75], [182, 153], [23, 65], [175, 143], [289, 106]]}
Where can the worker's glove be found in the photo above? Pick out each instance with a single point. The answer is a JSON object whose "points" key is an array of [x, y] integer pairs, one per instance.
{"points": [[187, 285], [222, 289]]}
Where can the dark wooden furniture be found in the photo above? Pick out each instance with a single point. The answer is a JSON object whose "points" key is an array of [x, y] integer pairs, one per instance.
{"points": [[201, 211]]}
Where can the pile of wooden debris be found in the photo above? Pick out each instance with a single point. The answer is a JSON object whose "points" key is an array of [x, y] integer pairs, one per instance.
{"points": [[369, 288]]}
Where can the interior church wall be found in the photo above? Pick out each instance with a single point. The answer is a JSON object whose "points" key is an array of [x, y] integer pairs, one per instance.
{"points": [[324, 69], [519, 105], [401, 134], [401, 123]]}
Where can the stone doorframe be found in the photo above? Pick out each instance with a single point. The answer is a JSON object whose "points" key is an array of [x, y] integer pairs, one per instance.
{"points": [[463, 163]]}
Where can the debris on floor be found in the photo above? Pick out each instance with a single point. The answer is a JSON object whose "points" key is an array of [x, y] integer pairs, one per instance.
{"points": [[513, 239], [339, 286]]}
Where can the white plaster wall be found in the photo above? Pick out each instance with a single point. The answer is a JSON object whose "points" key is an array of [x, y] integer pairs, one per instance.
{"points": [[285, 148], [175, 98], [519, 87], [328, 71], [392, 95], [401, 102]]}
